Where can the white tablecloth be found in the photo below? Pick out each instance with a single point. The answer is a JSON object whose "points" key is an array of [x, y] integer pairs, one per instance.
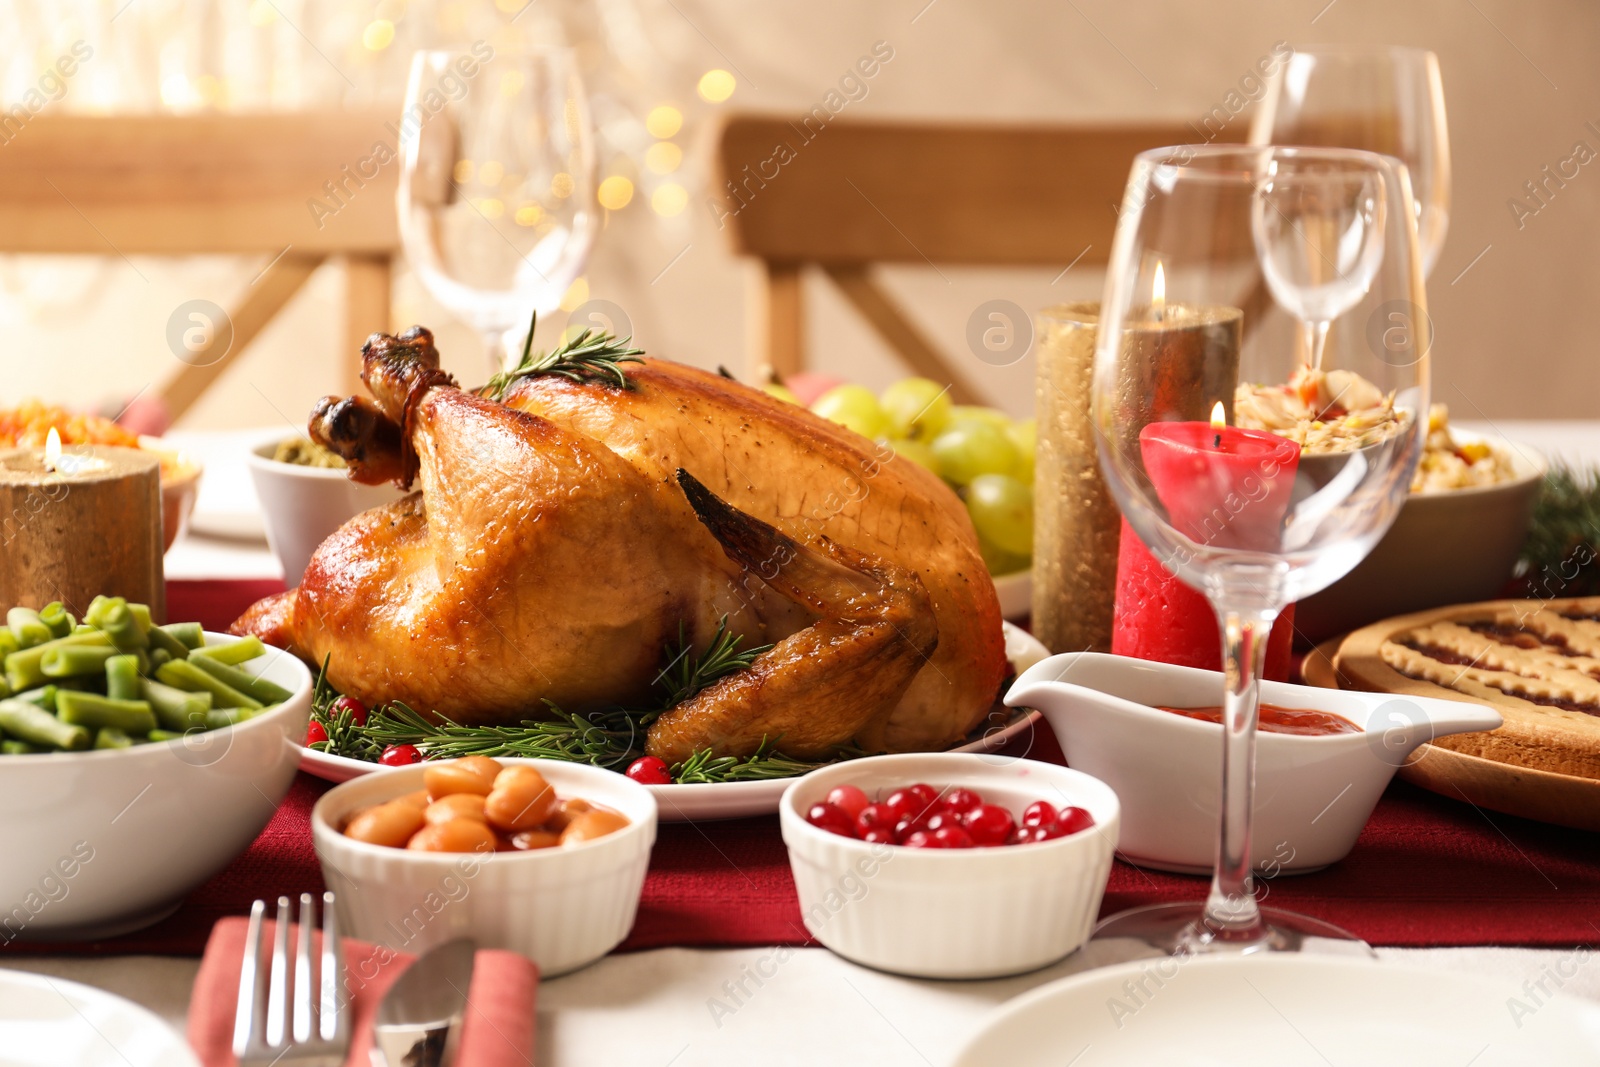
{"points": [[654, 1009]]}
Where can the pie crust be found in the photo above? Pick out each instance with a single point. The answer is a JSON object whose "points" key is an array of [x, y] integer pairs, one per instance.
{"points": [[1536, 661]]}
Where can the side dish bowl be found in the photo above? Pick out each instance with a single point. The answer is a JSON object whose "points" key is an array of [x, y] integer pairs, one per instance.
{"points": [[102, 842], [562, 907], [1313, 794], [303, 505], [956, 913]]}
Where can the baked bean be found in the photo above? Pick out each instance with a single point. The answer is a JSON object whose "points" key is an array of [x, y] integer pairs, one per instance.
{"points": [[521, 799], [454, 806], [531, 839], [597, 822], [419, 799], [469, 774], [389, 824], [566, 811], [453, 835]]}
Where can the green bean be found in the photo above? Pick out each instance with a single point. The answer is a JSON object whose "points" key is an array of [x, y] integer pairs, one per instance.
{"points": [[73, 661], [58, 618], [27, 627], [93, 710], [217, 719], [161, 641], [8, 643], [234, 653], [28, 722], [122, 677], [141, 615], [12, 747], [189, 634], [175, 709], [5, 688], [263, 690], [111, 737], [158, 656], [123, 629], [183, 674], [43, 697], [84, 628], [98, 608], [23, 670]]}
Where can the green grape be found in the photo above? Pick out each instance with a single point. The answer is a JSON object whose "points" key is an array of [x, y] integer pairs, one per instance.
{"points": [[975, 413], [781, 391], [917, 407], [915, 451], [1025, 436], [853, 407], [1002, 510], [1000, 562], [970, 448]]}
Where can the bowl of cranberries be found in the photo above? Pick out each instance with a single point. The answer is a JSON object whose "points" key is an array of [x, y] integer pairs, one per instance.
{"points": [[886, 849]]}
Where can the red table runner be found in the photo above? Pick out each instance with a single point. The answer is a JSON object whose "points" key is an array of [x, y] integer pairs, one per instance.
{"points": [[1426, 871]]}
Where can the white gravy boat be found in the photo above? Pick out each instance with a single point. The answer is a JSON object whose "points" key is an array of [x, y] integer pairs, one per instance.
{"points": [[1313, 794]]}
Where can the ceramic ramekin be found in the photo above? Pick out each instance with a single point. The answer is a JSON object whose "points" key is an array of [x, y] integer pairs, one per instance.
{"points": [[958, 913], [561, 907]]}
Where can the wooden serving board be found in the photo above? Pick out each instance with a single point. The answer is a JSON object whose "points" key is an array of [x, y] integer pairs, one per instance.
{"points": [[1561, 799]]}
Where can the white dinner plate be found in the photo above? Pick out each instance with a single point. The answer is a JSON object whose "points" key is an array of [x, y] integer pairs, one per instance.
{"points": [[734, 800], [1291, 1010], [47, 1022]]}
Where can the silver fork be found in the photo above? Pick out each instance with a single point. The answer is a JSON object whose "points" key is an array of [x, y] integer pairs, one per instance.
{"points": [[315, 1030]]}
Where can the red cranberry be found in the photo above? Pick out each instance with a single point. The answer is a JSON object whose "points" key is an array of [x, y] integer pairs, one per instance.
{"points": [[650, 770], [1024, 835], [906, 827], [989, 824], [315, 733], [1049, 831], [927, 796], [400, 756], [876, 816], [1039, 813], [848, 799], [357, 710], [939, 820], [1072, 820], [952, 837], [961, 800], [923, 839], [878, 835], [829, 818], [904, 804]]}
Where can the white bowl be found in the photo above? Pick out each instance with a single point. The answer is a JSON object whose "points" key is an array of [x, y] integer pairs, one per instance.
{"points": [[563, 908], [1457, 546], [303, 505], [957, 913], [102, 842], [1313, 794], [1015, 591]]}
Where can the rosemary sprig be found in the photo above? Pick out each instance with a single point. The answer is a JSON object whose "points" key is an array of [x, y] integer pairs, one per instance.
{"points": [[1561, 557], [686, 674], [593, 355], [763, 763], [605, 739]]}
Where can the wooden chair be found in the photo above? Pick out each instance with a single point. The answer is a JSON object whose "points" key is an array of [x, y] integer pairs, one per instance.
{"points": [[845, 195], [192, 184]]}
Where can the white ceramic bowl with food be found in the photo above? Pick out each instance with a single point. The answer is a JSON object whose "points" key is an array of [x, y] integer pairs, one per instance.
{"points": [[180, 485], [562, 907], [1451, 546], [1313, 793], [101, 842], [952, 913], [302, 505]]}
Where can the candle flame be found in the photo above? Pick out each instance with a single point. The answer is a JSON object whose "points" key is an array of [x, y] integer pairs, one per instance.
{"points": [[1158, 293], [52, 450], [1219, 418]]}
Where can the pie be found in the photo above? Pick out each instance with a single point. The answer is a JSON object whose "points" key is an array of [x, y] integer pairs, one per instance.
{"points": [[1536, 661]]}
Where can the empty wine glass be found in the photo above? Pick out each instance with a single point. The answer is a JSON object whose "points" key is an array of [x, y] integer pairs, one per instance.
{"points": [[1256, 518], [1318, 230], [496, 194], [1383, 99]]}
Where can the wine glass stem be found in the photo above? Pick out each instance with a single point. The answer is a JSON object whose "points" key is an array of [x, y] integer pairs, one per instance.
{"points": [[1316, 340], [1231, 912]]}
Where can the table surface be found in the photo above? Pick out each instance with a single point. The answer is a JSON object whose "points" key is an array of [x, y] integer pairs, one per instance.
{"points": [[685, 1007]]}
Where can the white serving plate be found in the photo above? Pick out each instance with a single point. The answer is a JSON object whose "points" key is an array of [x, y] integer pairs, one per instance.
{"points": [[46, 1022], [1293, 1010], [734, 800], [1015, 591]]}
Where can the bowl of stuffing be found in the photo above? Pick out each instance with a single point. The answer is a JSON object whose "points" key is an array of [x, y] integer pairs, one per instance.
{"points": [[1459, 534], [306, 494]]}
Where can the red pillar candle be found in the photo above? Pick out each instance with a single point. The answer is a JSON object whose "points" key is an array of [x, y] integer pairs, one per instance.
{"points": [[1221, 486]]}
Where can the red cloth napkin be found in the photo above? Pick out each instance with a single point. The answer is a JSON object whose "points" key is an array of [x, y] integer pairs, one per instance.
{"points": [[497, 1031]]}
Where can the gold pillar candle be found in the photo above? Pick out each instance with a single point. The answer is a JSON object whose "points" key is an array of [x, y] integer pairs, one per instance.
{"points": [[84, 525], [1186, 360]]}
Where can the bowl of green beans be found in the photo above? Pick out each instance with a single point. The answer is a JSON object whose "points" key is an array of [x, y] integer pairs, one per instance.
{"points": [[136, 760]]}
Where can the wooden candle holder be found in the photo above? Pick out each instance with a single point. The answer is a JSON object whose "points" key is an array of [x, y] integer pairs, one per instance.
{"points": [[73, 535]]}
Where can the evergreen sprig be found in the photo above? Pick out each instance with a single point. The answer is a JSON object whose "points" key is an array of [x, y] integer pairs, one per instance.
{"points": [[1561, 557], [591, 355]]}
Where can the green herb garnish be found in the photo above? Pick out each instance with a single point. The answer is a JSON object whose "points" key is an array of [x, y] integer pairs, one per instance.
{"points": [[592, 355]]}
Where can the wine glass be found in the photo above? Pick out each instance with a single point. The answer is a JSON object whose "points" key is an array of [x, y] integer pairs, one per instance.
{"points": [[496, 196], [1386, 100], [1246, 516]]}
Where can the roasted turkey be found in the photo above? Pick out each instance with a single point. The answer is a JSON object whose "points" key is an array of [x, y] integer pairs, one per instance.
{"points": [[563, 534]]}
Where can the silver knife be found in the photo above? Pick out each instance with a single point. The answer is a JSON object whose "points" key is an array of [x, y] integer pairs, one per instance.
{"points": [[419, 1021]]}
